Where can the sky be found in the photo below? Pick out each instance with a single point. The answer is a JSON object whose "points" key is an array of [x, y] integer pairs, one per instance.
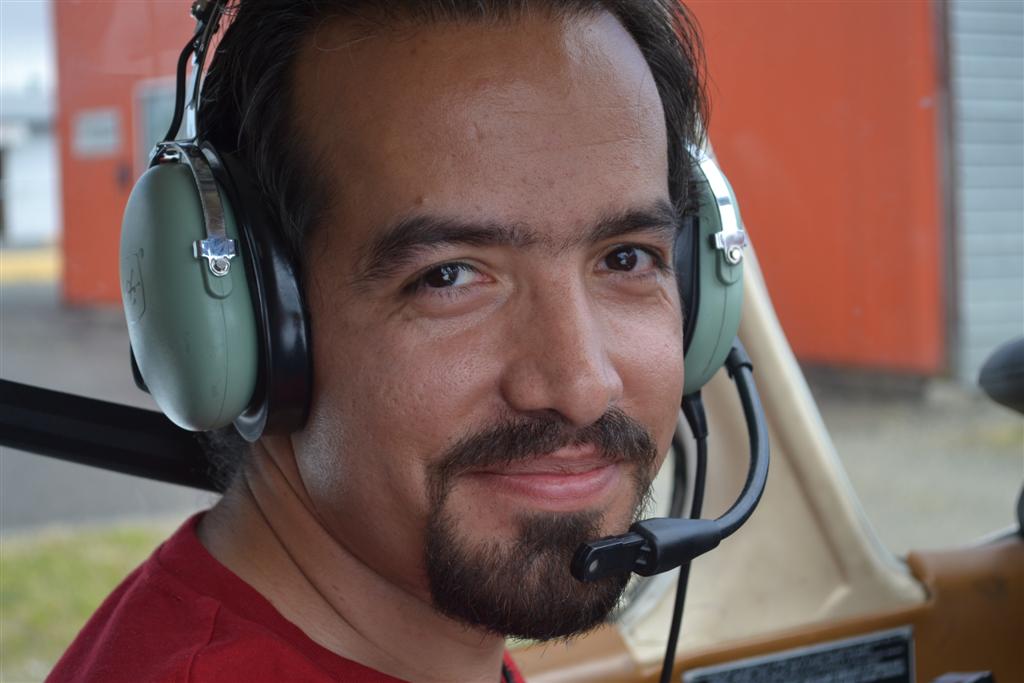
{"points": [[26, 44]]}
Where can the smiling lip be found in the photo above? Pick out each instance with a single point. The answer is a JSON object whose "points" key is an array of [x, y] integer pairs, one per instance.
{"points": [[567, 479]]}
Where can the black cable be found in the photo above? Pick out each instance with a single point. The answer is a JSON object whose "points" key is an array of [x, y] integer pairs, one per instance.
{"points": [[700, 478], [684, 570], [675, 508], [677, 619], [693, 409], [740, 368]]}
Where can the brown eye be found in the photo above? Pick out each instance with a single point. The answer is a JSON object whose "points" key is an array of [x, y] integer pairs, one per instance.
{"points": [[623, 258], [448, 276]]}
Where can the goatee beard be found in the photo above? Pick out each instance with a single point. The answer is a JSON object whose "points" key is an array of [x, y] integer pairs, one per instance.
{"points": [[522, 587]]}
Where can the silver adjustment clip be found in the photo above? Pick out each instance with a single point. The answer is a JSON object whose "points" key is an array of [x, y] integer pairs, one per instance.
{"points": [[218, 252], [732, 238], [732, 243]]}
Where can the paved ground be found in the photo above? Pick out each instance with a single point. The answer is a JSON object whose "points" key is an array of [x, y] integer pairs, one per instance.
{"points": [[934, 465], [81, 351]]}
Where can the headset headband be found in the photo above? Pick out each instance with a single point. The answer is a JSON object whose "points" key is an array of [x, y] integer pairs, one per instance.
{"points": [[207, 14]]}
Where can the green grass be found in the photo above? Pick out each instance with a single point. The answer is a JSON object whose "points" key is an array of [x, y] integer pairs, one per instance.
{"points": [[53, 580]]}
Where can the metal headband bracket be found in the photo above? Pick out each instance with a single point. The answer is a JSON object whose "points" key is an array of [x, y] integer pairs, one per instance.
{"points": [[218, 249], [732, 238]]}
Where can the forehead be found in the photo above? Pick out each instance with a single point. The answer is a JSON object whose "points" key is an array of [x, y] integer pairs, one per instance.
{"points": [[497, 119]]}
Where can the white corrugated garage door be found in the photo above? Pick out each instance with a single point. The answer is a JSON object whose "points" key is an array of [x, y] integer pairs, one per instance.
{"points": [[987, 69]]}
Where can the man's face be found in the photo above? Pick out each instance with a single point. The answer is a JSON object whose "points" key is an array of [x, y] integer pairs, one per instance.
{"points": [[497, 333]]}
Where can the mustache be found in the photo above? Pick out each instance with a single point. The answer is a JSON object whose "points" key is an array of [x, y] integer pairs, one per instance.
{"points": [[616, 436]]}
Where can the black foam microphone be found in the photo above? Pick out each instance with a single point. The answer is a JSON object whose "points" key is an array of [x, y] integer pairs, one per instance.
{"points": [[653, 546]]}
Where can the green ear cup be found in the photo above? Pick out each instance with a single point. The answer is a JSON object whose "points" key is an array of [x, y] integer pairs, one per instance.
{"points": [[719, 264], [193, 333]]}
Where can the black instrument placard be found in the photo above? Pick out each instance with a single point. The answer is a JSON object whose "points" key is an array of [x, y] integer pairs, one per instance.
{"points": [[881, 657]]}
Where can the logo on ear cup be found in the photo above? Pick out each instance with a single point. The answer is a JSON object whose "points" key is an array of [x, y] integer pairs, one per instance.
{"points": [[133, 291]]}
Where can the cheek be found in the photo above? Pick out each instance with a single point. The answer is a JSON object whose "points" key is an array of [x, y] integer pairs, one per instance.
{"points": [[364, 454], [394, 405], [651, 368]]}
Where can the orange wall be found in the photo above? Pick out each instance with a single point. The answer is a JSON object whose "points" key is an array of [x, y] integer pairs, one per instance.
{"points": [[103, 50], [824, 119]]}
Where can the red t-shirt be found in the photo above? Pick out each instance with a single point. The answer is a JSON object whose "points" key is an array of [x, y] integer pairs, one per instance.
{"points": [[182, 616]]}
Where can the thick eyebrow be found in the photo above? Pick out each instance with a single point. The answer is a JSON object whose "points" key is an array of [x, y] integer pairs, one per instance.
{"points": [[659, 217], [401, 242], [397, 245]]}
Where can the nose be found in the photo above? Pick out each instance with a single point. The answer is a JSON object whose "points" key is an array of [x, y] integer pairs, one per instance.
{"points": [[559, 359]]}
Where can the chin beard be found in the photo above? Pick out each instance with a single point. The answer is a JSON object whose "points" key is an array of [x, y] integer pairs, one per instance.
{"points": [[521, 588]]}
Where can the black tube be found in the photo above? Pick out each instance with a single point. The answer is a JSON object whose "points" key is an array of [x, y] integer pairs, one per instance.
{"points": [[179, 90], [204, 35], [205, 28], [657, 545], [740, 368], [130, 440]]}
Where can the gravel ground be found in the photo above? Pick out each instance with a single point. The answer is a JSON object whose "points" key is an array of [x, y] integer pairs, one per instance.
{"points": [[940, 468], [933, 463]]}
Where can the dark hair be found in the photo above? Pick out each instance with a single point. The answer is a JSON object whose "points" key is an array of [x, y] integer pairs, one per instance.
{"points": [[247, 94]]}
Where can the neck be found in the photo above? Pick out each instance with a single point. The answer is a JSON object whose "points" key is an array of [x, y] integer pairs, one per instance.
{"points": [[266, 532]]}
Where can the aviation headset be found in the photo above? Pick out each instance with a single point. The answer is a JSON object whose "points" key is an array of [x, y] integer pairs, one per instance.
{"points": [[219, 331]]}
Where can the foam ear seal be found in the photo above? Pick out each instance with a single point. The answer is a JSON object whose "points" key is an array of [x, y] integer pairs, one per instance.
{"points": [[280, 403], [193, 334]]}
